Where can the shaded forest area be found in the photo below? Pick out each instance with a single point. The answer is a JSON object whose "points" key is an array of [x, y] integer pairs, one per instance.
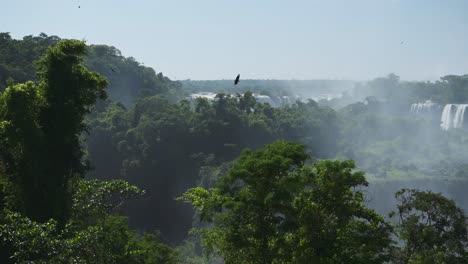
{"points": [[99, 153]]}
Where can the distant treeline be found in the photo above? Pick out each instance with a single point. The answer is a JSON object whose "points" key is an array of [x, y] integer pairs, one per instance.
{"points": [[303, 89], [128, 79]]}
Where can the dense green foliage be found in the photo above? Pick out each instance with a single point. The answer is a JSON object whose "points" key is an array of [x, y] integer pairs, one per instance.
{"points": [[17, 57], [40, 129], [271, 208], [128, 79], [146, 144], [272, 204], [91, 236], [49, 214], [149, 142], [433, 228]]}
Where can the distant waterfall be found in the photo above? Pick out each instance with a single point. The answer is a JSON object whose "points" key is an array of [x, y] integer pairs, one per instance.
{"points": [[447, 121], [459, 114], [422, 107], [275, 101]]}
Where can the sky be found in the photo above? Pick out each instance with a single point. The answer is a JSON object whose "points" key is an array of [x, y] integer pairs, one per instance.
{"points": [[262, 39]]}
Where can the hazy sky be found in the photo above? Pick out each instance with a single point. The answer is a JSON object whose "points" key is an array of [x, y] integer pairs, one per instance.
{"points": [[268, 39]]}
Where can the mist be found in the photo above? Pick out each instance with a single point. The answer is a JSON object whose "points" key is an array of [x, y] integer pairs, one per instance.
{"points": [[393, 129]]}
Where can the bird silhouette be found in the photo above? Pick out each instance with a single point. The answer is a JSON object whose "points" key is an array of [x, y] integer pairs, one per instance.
{"points": [[236, 81]]}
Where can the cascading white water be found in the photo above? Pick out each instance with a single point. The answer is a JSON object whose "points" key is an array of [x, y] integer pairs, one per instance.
{"points": [[273, 101], [457, 122], [422, 107], [445, 119], [458, 119]]}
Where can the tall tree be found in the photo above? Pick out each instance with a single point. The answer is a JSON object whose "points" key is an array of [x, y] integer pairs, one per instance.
{"points": [[271, 208], [69, 91], [432, 228], [41, 125], [333, 223], [248, 205]]}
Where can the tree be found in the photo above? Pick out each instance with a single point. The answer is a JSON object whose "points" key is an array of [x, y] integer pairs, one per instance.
{"points": [[21, 145], [333, 224], [128, 79], [246, 206], [69, 91], [271, 208], [432, 228], [456, 87], [50, 215], [40, 129], [17, 57], [93, 235]]}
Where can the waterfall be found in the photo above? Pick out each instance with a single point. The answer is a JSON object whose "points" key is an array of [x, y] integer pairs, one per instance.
{"points": [[458, 119], [422, 107], [447, 121], [273, 101]]}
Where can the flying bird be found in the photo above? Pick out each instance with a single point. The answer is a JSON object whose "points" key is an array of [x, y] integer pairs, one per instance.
{"points": [[401, 43], [236, 81]]}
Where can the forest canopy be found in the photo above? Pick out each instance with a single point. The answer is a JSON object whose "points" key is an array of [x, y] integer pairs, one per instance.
{"points": [[104, 160]]}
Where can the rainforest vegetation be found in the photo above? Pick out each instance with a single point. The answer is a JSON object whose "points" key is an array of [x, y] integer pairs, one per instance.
{"points": [[104, 160]]}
